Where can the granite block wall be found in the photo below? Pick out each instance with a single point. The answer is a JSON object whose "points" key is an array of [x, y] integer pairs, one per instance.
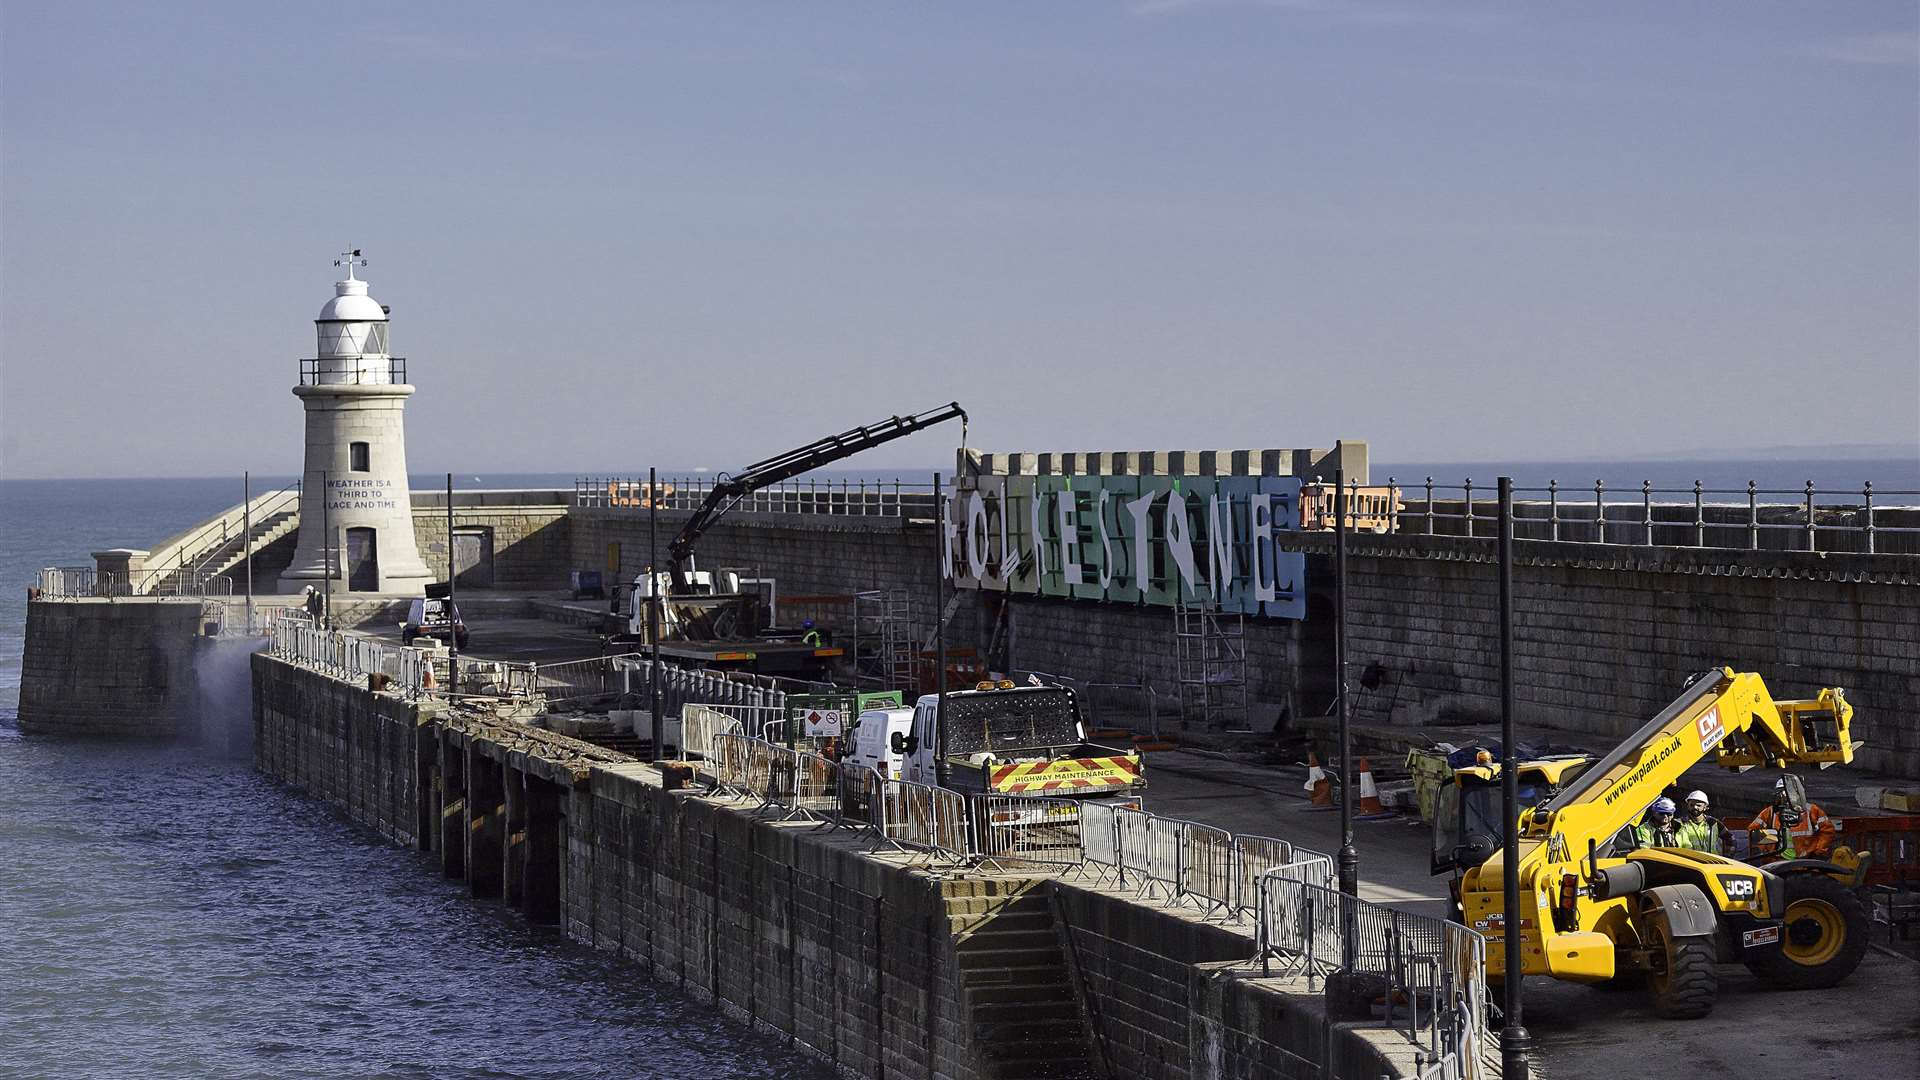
{"points": [[1606, 634], [122, 668]]}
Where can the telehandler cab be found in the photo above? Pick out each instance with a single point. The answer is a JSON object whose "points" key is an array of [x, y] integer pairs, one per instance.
{"points": [[1595, 909]]}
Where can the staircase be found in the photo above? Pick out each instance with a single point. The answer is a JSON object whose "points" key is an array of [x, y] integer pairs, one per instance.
{"points": [[223, 555], [1018, 987]]}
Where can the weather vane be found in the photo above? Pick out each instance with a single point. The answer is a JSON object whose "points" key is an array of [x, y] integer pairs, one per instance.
{"points": [[350, 259]]}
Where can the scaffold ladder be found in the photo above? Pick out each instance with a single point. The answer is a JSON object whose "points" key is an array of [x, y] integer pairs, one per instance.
{"points": [[1210, 648]]}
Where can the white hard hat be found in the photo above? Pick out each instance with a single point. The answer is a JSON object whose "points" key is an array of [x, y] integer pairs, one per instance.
{"points": [[1698, 796]]}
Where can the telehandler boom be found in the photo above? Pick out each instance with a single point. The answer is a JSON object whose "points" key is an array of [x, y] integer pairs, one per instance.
{"points": [[1594, 908]]}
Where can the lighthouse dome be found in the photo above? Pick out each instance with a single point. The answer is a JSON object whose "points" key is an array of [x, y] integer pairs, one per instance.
{"points": [[351, 303]]}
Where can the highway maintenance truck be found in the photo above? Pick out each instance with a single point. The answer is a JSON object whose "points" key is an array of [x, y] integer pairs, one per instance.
{"points": [[1000, 739]]}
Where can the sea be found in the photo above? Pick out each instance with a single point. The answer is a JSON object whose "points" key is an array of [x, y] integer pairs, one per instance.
{"points": [[166, 911]]}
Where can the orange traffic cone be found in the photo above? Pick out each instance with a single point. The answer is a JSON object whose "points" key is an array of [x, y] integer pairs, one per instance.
{"points": [[1317, 782], [1369, 795]]}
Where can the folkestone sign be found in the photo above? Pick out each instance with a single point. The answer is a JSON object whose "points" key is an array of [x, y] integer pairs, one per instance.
{"points": [[1165, 540]]}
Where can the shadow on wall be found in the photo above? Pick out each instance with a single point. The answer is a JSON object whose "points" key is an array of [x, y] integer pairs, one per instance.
{"points": [[224, 701]]}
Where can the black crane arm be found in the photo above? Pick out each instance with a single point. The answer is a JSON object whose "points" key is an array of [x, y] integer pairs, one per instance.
{"points": [[729, 489]]}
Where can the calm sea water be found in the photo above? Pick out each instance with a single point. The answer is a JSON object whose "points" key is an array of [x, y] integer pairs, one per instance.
{"points": [[167, 912]]}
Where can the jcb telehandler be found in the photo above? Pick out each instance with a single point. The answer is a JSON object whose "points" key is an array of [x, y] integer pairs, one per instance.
{"points": [[1595, 909]]}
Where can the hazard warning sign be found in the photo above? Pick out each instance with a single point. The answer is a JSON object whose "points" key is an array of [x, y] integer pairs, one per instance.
{"points": [[822, 723]]}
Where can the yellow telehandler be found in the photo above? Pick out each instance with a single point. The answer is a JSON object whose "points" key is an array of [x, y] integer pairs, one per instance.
{"points": [[1596, 909]]}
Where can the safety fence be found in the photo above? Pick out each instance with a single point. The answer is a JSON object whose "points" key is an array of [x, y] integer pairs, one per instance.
{"points": [[1020, 830], [86, 582], [1863, 520], [350, 656], [841, 498], [577, 680], [1425, 976], [699, 724]]}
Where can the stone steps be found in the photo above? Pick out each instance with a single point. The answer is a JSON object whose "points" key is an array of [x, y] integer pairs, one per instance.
{"points": [[1014, 977]]}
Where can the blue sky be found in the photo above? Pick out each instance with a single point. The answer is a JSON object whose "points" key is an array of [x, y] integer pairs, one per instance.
{"points": [[700, 233]]}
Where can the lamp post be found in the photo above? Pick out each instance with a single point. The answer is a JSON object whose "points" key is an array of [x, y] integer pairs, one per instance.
{"points": [[940, 628], [1349, 858], [1514, 1040], [453, 625], [653, 618], [246, 541]]}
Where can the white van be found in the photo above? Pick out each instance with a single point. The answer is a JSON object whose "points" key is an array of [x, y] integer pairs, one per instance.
{"points": [[872, 742]]}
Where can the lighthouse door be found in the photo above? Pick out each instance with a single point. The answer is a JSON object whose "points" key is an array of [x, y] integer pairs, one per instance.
{"points": [[363, 561]]}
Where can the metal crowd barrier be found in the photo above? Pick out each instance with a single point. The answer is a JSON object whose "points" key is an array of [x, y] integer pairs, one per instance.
{"points": [[574, 679], [816, 786], [1206, 866], [925, 818], [1432, 973], [698, 726], [1429, 973], [861, 804], [1099, 835], [1025, 830]]}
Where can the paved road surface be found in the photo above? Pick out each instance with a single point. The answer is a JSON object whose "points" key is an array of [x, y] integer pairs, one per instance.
{"points": [[1868, 1028], [514, 639]]}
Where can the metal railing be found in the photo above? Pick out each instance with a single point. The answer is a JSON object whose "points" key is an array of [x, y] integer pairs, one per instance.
{"points": [[1862, 520], [1430, 973], [1020, 830], [86, 583], [842, 498], [698, 726], [1426, 975], [756, 721], [353, 371], [345, 655], [596, 676], [187, 554], [860, 797], [1129, 706]]}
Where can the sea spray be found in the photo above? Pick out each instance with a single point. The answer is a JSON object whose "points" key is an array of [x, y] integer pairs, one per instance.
{"points": [[224, 676]]}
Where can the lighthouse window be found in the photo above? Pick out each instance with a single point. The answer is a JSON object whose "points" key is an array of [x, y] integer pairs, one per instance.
{"points": [[357, 457]]}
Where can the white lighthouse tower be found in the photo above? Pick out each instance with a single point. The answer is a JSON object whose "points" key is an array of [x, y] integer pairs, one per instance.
{"points": [[355, 481]]}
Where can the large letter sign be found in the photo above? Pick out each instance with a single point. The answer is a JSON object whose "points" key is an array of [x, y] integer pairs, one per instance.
{"points": [[1159, 540]]}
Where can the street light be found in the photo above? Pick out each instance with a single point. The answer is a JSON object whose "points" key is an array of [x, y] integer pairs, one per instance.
{"points": [[1514, 1040], [1349, 858]]}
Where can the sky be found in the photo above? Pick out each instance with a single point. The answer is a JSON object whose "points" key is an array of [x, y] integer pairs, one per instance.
{"points": [[698, 234]]}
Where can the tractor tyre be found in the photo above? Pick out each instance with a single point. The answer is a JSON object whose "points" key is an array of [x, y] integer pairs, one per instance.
{"points": [[1822, 939], [1684, 981]]}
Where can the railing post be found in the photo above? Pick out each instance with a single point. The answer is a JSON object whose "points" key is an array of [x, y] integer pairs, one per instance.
{"points": [[1600, 508], [1646, 507], [1753, 516], [1699, 518], [1812, 541], [1429, 506], [1553, 509], [1866, 494], [1467, 503]]}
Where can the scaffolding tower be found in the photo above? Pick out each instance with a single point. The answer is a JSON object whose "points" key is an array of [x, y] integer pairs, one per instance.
{"points": [[1210, 648], [883, 639]]}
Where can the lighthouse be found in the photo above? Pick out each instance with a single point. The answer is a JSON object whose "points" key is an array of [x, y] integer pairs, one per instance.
{"points": [[354, 502]]}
